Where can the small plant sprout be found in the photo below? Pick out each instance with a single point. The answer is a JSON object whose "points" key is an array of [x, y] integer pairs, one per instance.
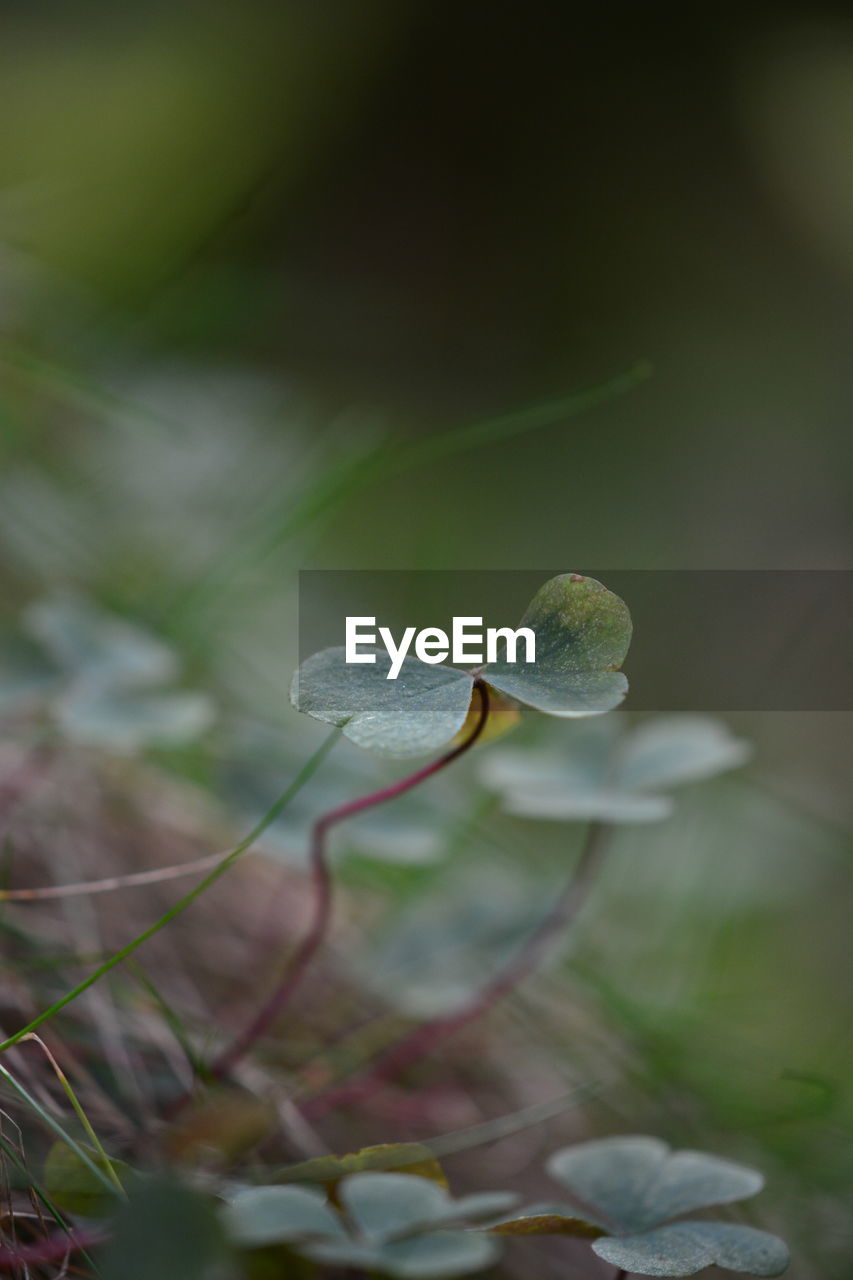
{"points": [[582, 633]]}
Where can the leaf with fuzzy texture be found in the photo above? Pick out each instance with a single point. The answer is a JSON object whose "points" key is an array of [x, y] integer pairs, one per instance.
{"points": [[684, 1248], [636, 1183], [582, 636], [383, 1206], [417, 713], [392, 1224], [275, 1215], [437, 1254]]}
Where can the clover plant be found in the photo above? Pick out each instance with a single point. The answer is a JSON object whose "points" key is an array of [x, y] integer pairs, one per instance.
{"points": [[630, 1196], [387, 1210], [396, 1224], [582, 635]]}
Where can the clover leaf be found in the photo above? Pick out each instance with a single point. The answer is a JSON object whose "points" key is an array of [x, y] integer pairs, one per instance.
{"points": [[601, 776], [631, 1187], [395, 1224], [582, 635], [683, 1248], [416, 713]]}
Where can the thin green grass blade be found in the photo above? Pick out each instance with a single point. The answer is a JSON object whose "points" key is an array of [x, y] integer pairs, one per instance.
{"points": [[383, 462], [474, 435], [29, 1183], [79, 1111], [170, 1016], [306, 772], [56, 1128]]}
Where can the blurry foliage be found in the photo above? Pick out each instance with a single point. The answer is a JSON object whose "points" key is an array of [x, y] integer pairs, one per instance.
{"points": [[241, 248], [99, 678], [610, 778]]}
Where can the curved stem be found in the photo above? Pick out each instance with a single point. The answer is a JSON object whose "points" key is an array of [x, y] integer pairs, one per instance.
{"points": [[313, 939], [132, 880], [423, 1039]]}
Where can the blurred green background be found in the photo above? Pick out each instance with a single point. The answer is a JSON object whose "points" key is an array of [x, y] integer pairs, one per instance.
{"points": [[245, 250]]}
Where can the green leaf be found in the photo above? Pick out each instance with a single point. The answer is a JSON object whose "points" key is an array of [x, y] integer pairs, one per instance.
{"points": [[440, 1253], [343, 1253], [670, 750], [273, 1215], [609, 778], [384, 1205], [408, 1157], [417, 713], [635, 1183], [683, 1248], [72, 1185], [478, 1206], [396, 1220], [164, 1232], [544, 1220], [582, 636], [543, 784]]}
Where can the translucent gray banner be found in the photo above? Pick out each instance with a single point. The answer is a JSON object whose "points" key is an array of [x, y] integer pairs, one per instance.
{"points": [[704, 640]]}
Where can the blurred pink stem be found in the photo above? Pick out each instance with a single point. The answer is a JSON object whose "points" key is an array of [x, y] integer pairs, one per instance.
{"points": [[313, 939], [423, 1039], [53, 1249]]}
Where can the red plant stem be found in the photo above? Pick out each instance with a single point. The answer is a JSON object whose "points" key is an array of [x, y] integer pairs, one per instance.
{"points": [[313, 939], [49, 1250], [423, 1039]]}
